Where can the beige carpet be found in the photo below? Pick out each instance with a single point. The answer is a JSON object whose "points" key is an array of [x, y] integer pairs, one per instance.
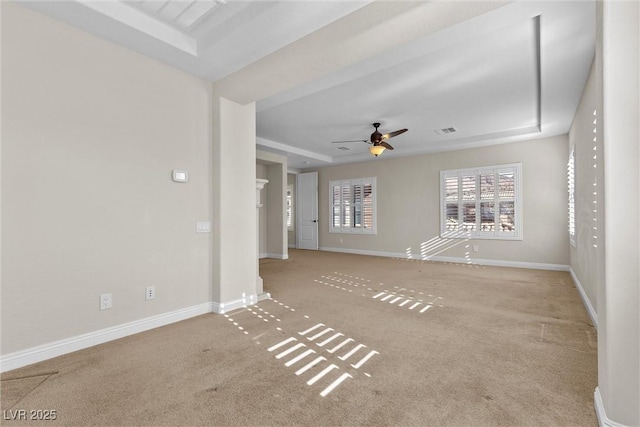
{"points": [[346, 340]]}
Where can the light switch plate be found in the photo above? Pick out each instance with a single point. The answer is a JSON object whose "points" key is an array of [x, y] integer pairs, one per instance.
{"points": [[203, 227], [105, 301], [180, 176]]}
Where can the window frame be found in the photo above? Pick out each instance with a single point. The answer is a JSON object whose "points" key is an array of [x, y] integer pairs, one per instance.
{"points": [[351, 183], [477, 233]]}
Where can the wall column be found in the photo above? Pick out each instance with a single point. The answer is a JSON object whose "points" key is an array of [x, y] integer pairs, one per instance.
{"points": [[234, 204], [260, 183], [618, 391]]}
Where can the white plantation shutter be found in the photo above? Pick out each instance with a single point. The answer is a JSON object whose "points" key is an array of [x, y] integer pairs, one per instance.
{"points": [[571, 183], [468, 182], [451, 202], [290, 220], [335, 206], [352, 204], [481, 203]]}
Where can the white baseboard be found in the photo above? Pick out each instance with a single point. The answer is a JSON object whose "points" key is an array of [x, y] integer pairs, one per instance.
{"points": [[263, 296], [225, 307], [456, 260], [278, 256], [292, 246], [501, 263], [585, 300], [32, 355], [37, 354], [365, 252], [603, 420]]}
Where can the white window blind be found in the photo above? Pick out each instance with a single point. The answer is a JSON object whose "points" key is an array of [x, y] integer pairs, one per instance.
{"points": [[481, 203], [571, 183], [353, 206]]}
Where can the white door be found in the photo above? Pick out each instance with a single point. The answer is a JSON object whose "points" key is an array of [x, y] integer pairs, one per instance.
{"points": [[307, 210]]}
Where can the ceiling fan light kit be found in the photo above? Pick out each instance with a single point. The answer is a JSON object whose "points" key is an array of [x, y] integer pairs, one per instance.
{"points": [[376, 150], [378, 141]]}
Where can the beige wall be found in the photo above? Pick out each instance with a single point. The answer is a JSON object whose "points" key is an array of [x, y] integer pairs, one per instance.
{"points": [[90, 135], [273, 167], [276, 219], [408, 203]]}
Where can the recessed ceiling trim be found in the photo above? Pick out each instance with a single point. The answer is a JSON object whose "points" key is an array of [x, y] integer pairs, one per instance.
{"points": [[473, 141], [456, 144], [198, 20], [144, 23], [293, 150], [538, 70]]}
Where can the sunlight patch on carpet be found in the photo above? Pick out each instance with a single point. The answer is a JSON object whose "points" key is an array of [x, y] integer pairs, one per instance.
{"points": [[289, 346], [400, 297], [321, 355]]}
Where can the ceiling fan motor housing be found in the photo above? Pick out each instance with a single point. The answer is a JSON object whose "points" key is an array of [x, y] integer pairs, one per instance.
{"points": [[376, 136]]}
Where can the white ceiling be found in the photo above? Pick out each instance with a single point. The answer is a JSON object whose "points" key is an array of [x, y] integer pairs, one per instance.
{"points": [[515, 72]]}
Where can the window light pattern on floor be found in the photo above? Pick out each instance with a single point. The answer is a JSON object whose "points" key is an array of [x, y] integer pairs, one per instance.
{"points": [[338, 358], [337, 347], [399, 296]]}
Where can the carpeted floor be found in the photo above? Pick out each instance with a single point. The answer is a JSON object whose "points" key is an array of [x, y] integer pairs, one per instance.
{"points": [[345, 340]]}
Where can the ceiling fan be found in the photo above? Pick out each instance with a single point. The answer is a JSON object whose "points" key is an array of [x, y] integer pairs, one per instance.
{"points": [[378, 140]]}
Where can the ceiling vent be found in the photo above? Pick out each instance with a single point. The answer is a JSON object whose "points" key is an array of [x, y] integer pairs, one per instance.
{"points": [[445, 131], [343, 148]]}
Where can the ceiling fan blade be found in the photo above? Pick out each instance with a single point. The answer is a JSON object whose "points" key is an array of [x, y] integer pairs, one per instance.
{"points": [[395, 133], [386, 145], [355, 140]]}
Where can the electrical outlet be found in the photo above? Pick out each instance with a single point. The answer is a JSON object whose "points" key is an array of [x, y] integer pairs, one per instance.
{"points": [[105, 301], [475, 248], [150, 293]]}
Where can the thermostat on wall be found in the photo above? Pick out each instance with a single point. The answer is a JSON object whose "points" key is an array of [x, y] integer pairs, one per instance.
{"points": [[180, 176]]}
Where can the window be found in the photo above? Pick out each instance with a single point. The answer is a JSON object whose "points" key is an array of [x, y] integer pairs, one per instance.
{"points": [[289, 201], [594, 236], [353, 206], [481, 203], [571, 181]]}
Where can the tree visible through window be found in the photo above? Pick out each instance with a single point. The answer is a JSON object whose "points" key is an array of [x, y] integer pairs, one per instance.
{"points": [[352, 204], [481, 202]]}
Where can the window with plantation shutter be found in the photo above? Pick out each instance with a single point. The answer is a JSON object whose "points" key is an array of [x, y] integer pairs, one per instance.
{"points": [[571, 183], [353, 207], [289, 200], [481, 203]]}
